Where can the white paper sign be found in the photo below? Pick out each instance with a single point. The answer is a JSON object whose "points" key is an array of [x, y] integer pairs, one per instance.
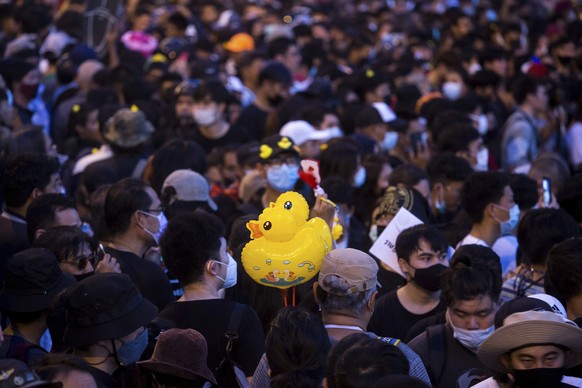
{"points": [[384, 247]]}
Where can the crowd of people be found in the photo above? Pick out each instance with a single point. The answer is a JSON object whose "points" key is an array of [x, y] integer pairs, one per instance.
{"points": [[138, 139]]}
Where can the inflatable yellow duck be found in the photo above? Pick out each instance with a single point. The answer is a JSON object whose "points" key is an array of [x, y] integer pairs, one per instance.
{"points": [[286, 248]]}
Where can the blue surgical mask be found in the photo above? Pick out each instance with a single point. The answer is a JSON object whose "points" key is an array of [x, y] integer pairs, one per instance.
{"points": [[390, 140], [360, 177], [282, 178], [130, 352], [163, 222], [507, 227]]}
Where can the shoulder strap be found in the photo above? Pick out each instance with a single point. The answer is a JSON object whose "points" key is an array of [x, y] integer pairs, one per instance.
{"points": [[233, 325], [436, 348], [139, 168]]}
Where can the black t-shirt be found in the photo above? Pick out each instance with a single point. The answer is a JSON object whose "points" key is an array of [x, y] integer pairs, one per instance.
{"points": [[236, 134], [391, 319], [211, 318], [148, 277], [389, 280], [254, 120]]}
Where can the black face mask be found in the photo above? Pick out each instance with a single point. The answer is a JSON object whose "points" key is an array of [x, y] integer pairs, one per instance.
{"points": [[429, 278], [84, 276], [539, 377]]}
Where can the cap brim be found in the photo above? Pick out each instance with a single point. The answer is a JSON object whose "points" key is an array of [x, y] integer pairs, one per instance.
{"points": [[212, 204], [174, 370], [530, 333], [142, 315]]}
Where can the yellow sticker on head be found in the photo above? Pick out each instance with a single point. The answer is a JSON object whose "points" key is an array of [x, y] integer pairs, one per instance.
{"points": [[76, 108], [284, 143], [266, 151], [159, 58], [134, 108], [323, 146], [370, 73]]}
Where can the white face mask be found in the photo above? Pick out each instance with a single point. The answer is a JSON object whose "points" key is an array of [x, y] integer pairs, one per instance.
{"points": [[471, 339], [482, 123], [205, 116], [360, 177], [163, 222], [482, 160], [507, 227], [390, 140], [231, 270], [452, 90]]}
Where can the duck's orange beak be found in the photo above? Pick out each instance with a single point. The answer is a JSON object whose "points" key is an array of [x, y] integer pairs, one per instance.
{"points": [[253, 226]]}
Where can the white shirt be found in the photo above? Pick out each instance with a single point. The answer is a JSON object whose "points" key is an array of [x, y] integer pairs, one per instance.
{"points": [[575, 143], [103, 153], [491, 383], [506, 247], [470, 239]]}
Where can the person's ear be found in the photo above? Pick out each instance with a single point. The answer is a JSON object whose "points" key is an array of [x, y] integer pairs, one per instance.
{"points": [[317, 301], [372, 301], [36, 192], [403, 264], [506, 361], [324, 383], [211, 267], [464, 155], [221, 107], [38, 233]]}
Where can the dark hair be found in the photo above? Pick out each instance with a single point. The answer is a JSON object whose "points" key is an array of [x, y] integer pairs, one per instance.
{"points": [[475, 270], [279, 46], [484, 78], [565, 268], [190, 240], [41, 213], [407, 175], [175, 155], [123, 199], [540, 229], [446, 168], [363, 361], [524, 86], [64, 241], [481, 189], [408, 240], [457, 138], [79, 115], [275, 72], [33, 18], [525, 191], [178, 20], [23, 174], [443, 119], [296, 347], [570, 197], [29, 138], [213, 89], [340, 159], [338, 190]]}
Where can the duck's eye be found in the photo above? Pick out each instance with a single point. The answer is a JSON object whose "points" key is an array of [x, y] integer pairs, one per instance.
{"points": [[288, 205], [267, 225]]}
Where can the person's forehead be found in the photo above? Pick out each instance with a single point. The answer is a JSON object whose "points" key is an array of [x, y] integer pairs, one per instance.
{"points": [[482, 302], [537, 350]]}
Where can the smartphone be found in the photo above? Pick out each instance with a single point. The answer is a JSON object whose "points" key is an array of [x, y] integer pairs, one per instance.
{"points": [[418, 138], [100, 252], [547, 191]]}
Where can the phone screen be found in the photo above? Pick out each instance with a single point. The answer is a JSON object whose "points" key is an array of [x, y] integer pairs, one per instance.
{"points": [[547, 191]]}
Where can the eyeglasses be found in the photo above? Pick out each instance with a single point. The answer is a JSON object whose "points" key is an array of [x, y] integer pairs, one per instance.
{"points": [[289, 161], [82, 261], [158, 210]]}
